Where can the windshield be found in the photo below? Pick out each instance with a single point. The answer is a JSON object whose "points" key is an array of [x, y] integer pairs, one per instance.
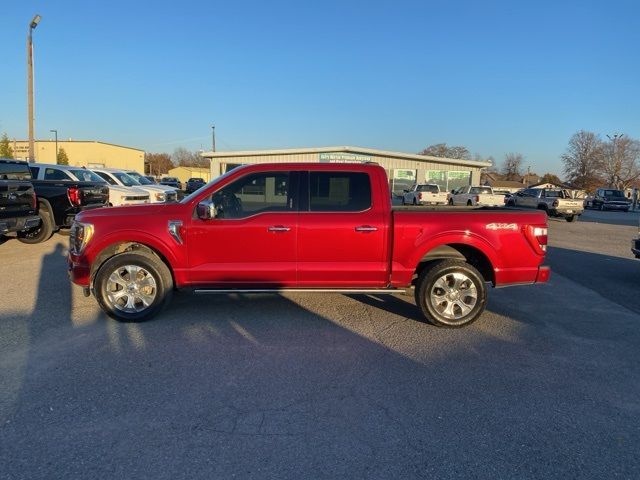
{"points": [[83, 175], [126, 180], [14, 171], [428, 188], [188, 198], [139, 178], [613, 194]]}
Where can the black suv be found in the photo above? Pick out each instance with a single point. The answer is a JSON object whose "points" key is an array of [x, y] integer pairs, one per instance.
{"points": [[18, 204], [171, 182], [194, 184]]}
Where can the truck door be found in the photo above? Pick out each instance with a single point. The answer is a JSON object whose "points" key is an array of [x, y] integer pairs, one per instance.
{"points": [[252, 240], [341, 233]]}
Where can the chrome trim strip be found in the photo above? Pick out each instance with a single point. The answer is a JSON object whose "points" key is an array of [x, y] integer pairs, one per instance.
{"points": [[225, 291]]}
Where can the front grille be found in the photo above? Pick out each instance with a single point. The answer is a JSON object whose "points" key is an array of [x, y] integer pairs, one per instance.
{"points": [[171, 196], [137, 198]]}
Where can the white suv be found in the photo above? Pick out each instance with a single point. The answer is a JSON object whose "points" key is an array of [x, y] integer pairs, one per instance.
{"points": [[119, 177], [171, 193], [118, 195]]}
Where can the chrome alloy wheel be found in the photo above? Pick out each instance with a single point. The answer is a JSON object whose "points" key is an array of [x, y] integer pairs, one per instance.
{"points": [[453, 296], [131, 289]]}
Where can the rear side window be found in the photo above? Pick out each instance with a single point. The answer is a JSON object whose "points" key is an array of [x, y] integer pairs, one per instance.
{"points": [[55, 174], [428, 188], [14, 171], [339, 191]]}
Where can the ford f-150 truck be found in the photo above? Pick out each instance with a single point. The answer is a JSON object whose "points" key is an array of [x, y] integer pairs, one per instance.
{"points": [[425, 194], [304, 227], [476, 196]]}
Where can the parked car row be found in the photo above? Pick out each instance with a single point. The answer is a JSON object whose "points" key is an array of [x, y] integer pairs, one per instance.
{"points": [[38, 199]]}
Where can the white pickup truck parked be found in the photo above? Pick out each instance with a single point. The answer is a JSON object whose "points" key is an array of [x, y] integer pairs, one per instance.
{"points": [[476, 196], [424, 194]]}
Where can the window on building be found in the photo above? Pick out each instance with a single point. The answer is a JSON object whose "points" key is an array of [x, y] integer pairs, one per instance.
{"points": [[339, 191], [457, 179]]}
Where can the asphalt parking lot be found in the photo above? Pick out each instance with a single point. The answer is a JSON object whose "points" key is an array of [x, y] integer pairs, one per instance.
{"points": [[545, 385]]}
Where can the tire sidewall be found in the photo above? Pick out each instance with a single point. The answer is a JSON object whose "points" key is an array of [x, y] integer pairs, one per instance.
{"points": [[156, 268], [41, 233], [429, 276]]}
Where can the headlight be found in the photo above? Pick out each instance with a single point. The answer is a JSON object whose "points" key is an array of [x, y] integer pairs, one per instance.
{"points": [[160, 197], [79, 236]]}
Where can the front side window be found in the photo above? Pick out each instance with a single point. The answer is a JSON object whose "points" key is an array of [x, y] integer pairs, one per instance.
{"points": [[107, 178], [339, 191], [253, 194]]}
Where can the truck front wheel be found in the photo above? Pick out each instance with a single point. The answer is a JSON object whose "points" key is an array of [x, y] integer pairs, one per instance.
{"points": [[133, 286], [451, 293], [42, 232]]}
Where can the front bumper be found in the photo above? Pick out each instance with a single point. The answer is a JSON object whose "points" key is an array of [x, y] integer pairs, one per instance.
{"points": [[18, 224], [635, 247], [616, 206], [78, 270]]}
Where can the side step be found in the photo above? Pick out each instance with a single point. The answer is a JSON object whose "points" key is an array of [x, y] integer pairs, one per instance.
{"points": [[378, 291]]}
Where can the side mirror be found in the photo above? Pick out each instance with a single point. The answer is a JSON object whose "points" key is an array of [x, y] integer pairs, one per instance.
{"points": [[206, 210]]}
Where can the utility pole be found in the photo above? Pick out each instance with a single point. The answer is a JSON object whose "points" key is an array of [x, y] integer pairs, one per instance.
{"points": [[32, 26], [56, 132], [213, 138]]}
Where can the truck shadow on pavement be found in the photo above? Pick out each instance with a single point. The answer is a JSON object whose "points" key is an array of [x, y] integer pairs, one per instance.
{"points": [[270, 386]]}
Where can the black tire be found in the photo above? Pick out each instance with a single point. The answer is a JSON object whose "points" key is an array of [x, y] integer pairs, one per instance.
{"points": [[544, 209], [469, 203], [153, 267], [415, 202], [42, 232], [601, 207], [443, 271], [570, 218], [451, 202], [511, 203]]}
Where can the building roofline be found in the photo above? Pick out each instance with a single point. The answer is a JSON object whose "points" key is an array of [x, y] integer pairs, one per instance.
{"points": [[79, 141], [347, 149]]}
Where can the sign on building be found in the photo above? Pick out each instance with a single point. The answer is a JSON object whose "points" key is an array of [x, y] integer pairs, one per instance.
{"points": [[343, 158]]}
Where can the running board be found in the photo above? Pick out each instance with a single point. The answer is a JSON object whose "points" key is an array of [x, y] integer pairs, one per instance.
{"points": [[384, 291]]}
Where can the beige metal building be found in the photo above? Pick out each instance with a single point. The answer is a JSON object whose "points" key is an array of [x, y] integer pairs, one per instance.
{"points": [[403, 169], [83, 153], [185, 173]]}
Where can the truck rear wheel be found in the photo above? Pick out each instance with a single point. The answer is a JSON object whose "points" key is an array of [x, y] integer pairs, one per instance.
{"points": [[451, 293], [133, 287], [42, 232], [570, 218]]}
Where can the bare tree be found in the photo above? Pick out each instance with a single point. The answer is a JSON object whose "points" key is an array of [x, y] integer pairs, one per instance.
{"points": [[583, 160], [158, 163], [512, 166], [619, 164], [551, 178], [442, 150], [184, 158]]}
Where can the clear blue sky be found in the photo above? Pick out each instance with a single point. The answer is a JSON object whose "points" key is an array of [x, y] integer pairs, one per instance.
{"points": [[493, 76]]}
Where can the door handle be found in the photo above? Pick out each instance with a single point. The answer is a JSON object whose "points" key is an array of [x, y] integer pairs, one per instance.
{"points": [[279, 228], [366, 228]]}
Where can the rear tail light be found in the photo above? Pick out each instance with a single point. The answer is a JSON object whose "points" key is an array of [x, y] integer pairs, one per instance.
{"points": [[74, 195], [537, 235], [34, 201], [556, 203], [420, 196], [477, 198]]}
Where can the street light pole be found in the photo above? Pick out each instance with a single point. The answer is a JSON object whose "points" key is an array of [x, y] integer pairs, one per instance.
{"points": [[32, 26], [56, 133]]}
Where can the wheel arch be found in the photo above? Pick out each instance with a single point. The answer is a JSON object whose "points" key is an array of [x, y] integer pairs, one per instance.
{"points": [[470, 254], [127, 246]]}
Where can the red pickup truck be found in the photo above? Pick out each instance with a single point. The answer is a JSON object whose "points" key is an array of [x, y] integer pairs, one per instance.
{"points": [[304, 227]]}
